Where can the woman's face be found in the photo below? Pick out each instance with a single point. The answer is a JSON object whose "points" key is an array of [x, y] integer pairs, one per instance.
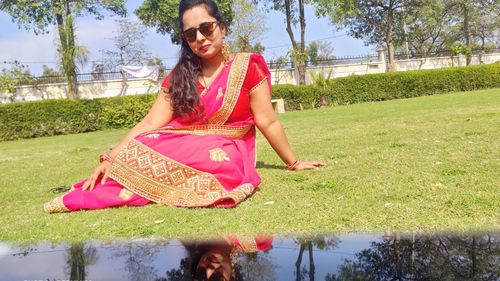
{"points": [[216, 261], [205, 47]]}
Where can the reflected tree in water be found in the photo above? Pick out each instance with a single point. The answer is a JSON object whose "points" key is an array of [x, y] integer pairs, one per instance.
{"points": [[181, 274], [322, 243], [425, 258], [256, 266], [139, 259], [79, 257]]}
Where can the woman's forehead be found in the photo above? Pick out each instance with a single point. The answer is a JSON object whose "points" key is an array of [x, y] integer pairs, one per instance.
{"points": [[195, 15]]}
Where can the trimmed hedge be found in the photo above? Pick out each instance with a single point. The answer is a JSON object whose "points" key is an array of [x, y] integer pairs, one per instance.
{"points": [[59, 117], [387, 86], [54, 117]]}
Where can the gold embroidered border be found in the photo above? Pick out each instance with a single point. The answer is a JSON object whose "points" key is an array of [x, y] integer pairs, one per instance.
{"points": [[55, 205], [162, 180], [235, 81], [248, 244], [234, 132], [258, 84]]}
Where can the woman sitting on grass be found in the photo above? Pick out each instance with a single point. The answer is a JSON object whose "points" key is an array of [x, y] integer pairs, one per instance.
{"points": [[196, 146]]}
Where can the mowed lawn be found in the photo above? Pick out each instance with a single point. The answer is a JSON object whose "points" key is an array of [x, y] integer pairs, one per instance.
{"points": [[423, 164]]}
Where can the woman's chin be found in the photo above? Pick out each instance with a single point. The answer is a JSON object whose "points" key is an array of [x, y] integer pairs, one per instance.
{"points": [[207, 55]]}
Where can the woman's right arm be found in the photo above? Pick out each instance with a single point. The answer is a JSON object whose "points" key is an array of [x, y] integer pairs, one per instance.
{"points": [[160, 114]]}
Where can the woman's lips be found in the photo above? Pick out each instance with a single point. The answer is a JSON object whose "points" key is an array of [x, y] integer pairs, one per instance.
{"points": [[204, 48]]}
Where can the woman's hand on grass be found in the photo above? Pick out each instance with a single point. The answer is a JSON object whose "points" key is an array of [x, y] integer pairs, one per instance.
{"points": [[307, 165], [102, 171]]}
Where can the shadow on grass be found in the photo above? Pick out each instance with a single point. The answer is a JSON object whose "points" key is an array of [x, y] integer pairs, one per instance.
{"points": [[60, 189], [261, 164]]}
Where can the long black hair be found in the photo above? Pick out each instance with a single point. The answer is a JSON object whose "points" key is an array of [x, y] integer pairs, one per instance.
{"points": [[183, 88]]}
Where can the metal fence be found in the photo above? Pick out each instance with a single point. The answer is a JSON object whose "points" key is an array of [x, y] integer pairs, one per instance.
{"points": [[446, 53], [327, 62], [363, 59]]}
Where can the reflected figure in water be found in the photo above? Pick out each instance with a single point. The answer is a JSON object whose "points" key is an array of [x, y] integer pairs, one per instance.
{"points": [[217, 259]]}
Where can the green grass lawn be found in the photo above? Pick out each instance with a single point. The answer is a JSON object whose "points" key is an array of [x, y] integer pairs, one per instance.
{"points": [[423, 164]]}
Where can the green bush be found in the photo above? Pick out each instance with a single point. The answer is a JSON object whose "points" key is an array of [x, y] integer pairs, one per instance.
{"points": [[47, 118], [125, 112], [387, 86], [54, 117], [57, 117]]}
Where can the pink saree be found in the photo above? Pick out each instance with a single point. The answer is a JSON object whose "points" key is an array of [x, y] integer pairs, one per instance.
{"points": [[209, 163]]}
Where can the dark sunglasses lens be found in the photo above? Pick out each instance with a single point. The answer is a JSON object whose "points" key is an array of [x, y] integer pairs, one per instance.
{"points": [[190, 34], [206, 28]]}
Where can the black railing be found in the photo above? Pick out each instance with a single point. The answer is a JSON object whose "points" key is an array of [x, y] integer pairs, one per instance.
{"points": [[444, 53], [327, 62], [370, 58], [80, 77]]}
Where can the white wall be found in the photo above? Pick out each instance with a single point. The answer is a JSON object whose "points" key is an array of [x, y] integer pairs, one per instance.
{"points": [[110, 88]]}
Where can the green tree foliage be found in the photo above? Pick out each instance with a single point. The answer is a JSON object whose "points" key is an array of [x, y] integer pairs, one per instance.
{"points": [[441, 26], [162, 72], [164, 15], [429, 31], [49, 75], [375, 22], [318, 52], [17, 74], [475, 20], [39, 16]]}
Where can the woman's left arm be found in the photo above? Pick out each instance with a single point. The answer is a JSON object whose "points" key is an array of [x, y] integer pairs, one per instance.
{"points": [[267, 122]]}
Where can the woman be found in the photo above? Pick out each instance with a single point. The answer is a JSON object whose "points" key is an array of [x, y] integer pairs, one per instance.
{"points": [[196, 146], [217, 259]]}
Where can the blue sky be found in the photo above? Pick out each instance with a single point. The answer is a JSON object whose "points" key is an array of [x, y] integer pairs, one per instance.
{"points": [[25, 46]]}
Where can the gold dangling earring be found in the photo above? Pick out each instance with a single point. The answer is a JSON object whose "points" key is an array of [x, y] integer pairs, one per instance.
{"points": [[226, 50]]}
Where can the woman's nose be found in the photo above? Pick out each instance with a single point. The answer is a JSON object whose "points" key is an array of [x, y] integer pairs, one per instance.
{"points": [[199, 36]]}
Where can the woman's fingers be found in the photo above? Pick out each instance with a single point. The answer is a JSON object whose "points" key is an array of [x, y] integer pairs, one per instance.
{"points": [[309, 165], [86, 184], [105, 176], [93, 178], [103, 170]]}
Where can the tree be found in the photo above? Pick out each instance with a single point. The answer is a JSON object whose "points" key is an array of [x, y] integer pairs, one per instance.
{"points": [[97, 71], [439, 27], [294, 13], [320, 242], [429, 31], [17, 74], [376, 22], [40, 15], [424, 258], [248, 26], [318, 52], [49, 75], [129, 49], [79, 257], [256, 266], [164, 16], [474, 19]]}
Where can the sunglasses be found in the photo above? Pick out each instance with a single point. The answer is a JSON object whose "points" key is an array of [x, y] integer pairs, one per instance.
{"points": [[206, 29]]}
